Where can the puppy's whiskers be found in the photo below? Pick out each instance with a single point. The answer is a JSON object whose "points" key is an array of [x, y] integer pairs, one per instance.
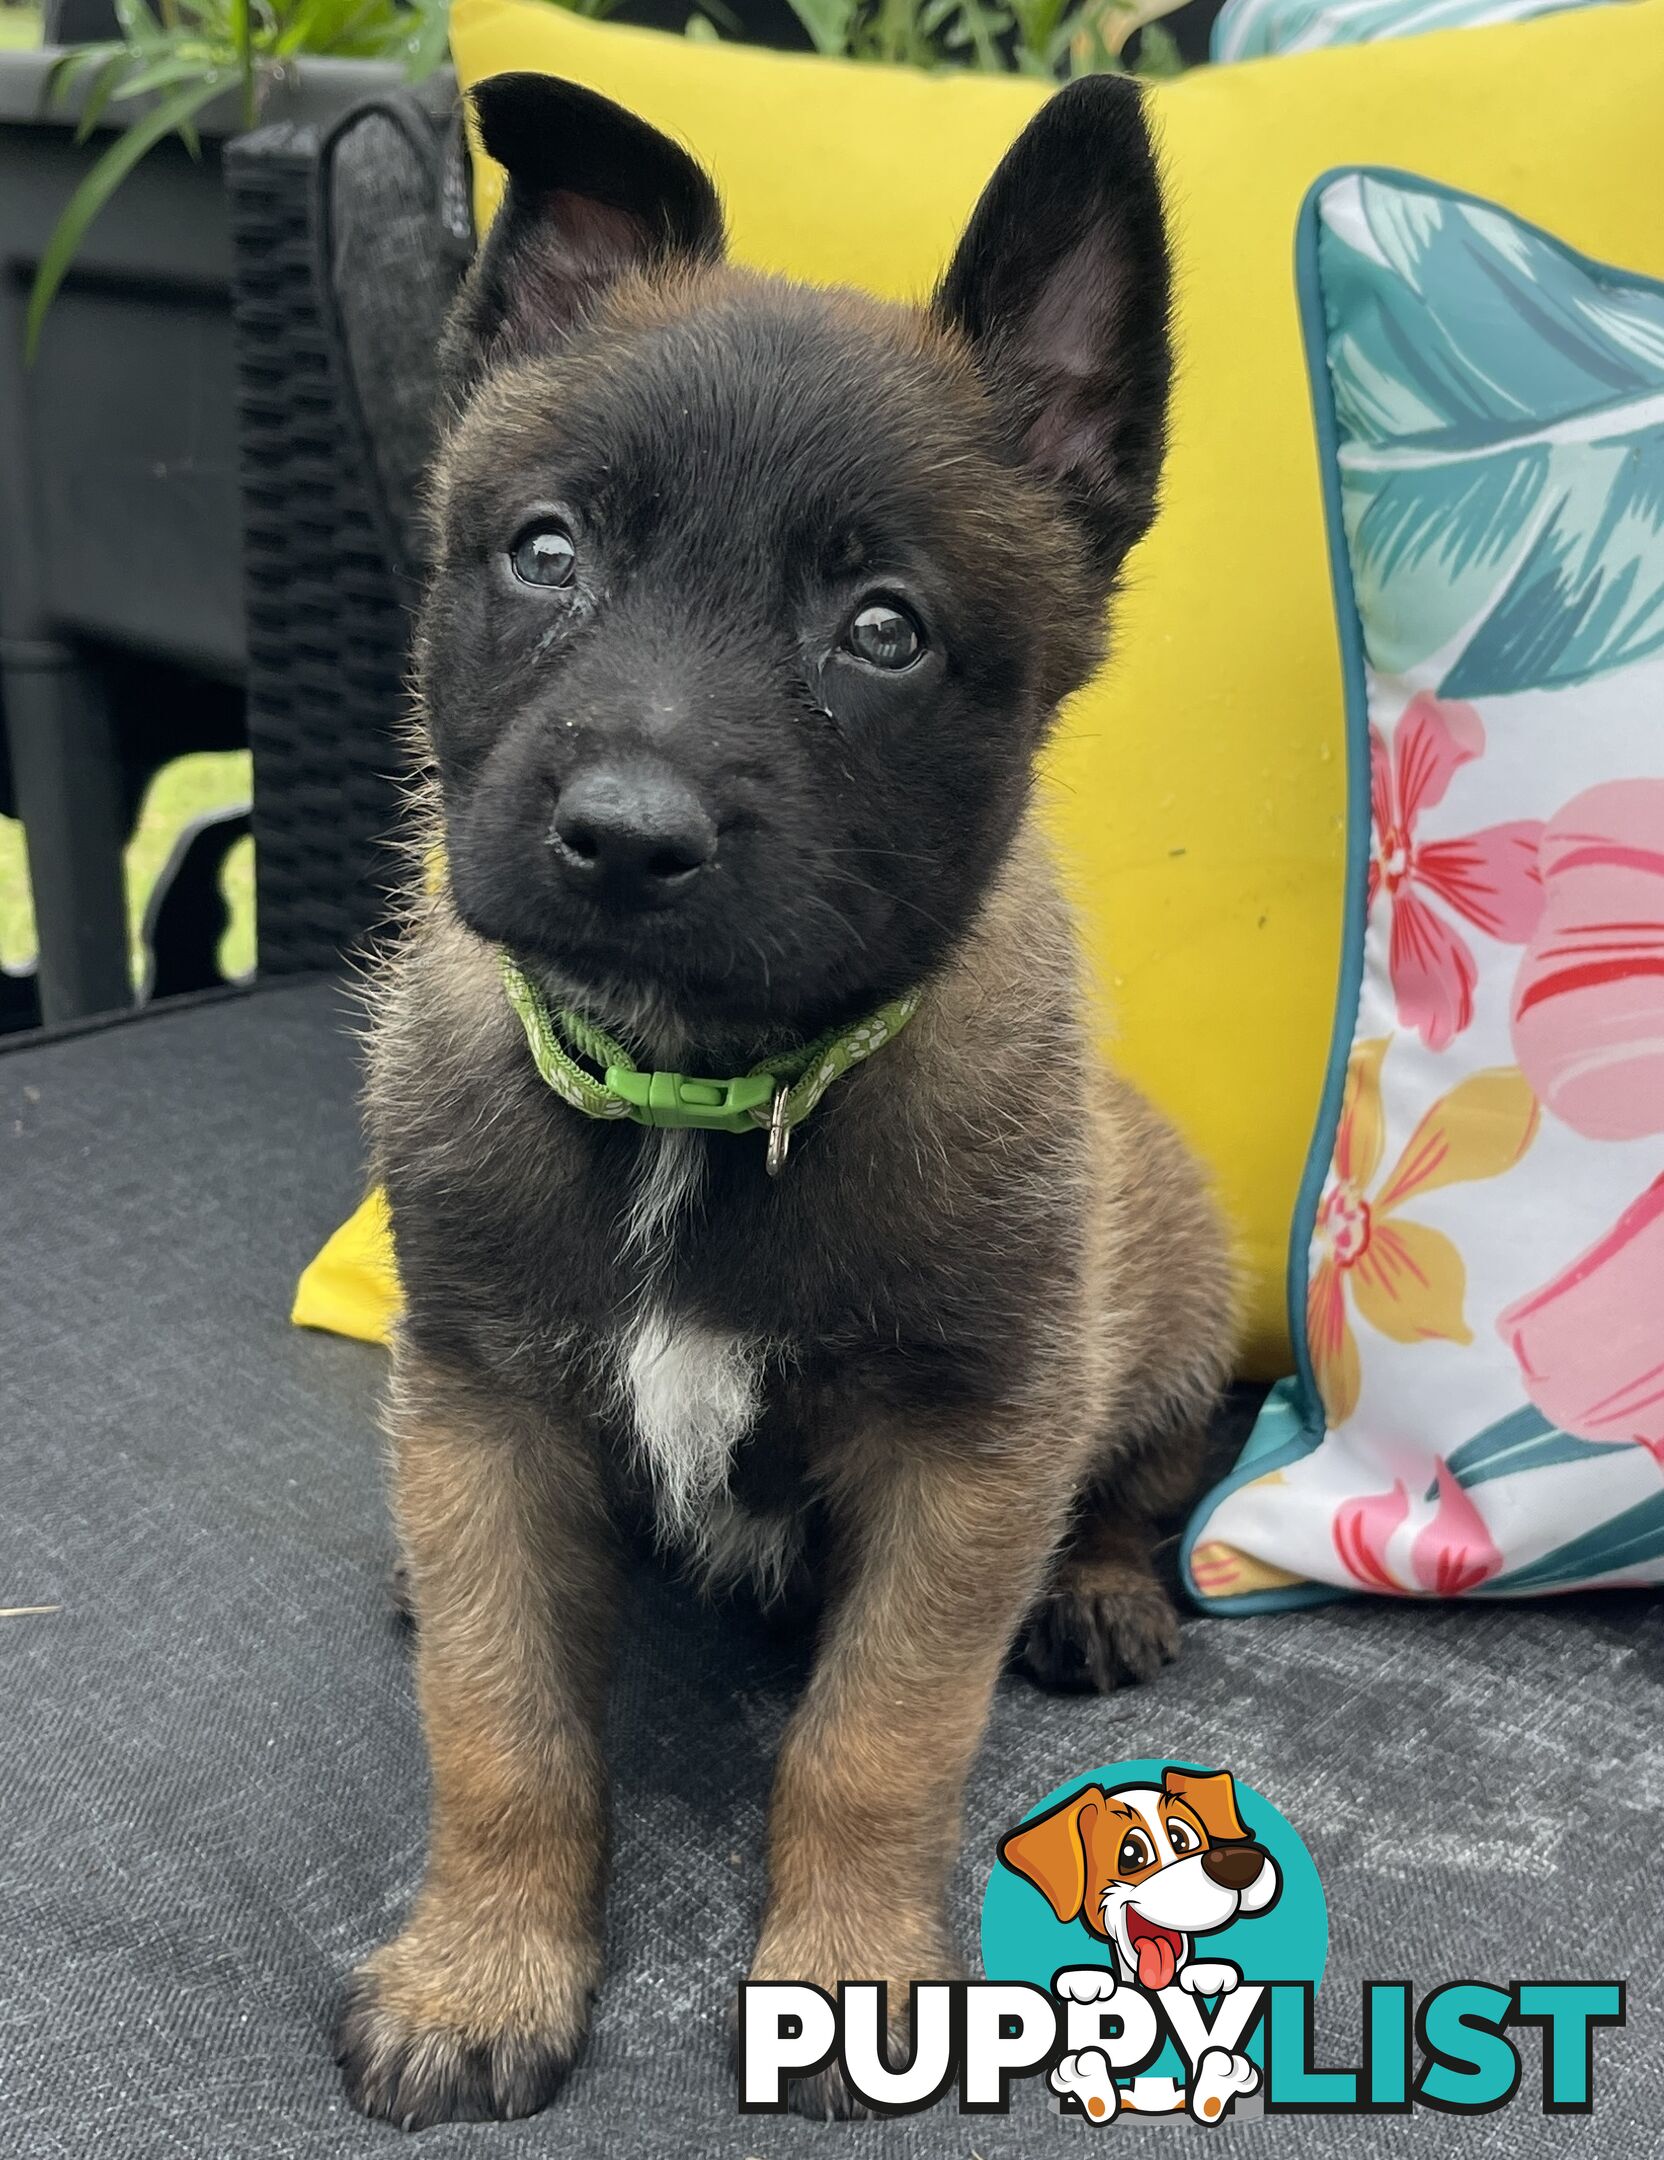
{"points": [[895, 899]]}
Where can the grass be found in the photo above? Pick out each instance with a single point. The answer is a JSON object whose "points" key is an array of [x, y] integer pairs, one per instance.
{"points": [[180, 792]]}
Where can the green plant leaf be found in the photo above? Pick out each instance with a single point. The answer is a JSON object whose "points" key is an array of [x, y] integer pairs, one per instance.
{"points": [[96, 189], [981, 28], [1158, 53], [1037, 24], [314, 26], [426, 50], [829, 24], [354, 27], [142, 32], [242, 26], [162, 75], [107, 78], [68, 68]]}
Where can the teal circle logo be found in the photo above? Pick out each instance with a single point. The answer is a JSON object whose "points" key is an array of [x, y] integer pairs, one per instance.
{"points": [[1163, 1875]]}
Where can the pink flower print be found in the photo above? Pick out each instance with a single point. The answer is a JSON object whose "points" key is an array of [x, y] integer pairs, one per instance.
{"points": [[1590, 1343], [1488, 878], [1362, 1529], [1589, 998], [1455, 1553], [1452, 1553]]}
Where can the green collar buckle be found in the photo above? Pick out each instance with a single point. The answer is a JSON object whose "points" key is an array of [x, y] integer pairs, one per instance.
{"points": [[778, 1093], [671, 1101]]}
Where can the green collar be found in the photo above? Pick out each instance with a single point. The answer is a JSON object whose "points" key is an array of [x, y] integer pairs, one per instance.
{"points": [[778, 1092]]}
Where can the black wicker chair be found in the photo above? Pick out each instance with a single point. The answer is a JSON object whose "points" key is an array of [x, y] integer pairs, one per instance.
{"points": [[346, 248]]}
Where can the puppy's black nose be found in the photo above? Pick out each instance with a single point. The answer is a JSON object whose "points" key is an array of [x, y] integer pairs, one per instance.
{"points": [[634, 835], [1232, 1867]]}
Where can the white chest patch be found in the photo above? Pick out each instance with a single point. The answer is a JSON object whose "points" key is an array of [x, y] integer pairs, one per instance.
{"points": [[690, 1392], [692, 1395]]}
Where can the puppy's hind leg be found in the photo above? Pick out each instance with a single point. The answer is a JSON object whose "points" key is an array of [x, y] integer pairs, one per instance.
{"points": [[1105, 1619]]}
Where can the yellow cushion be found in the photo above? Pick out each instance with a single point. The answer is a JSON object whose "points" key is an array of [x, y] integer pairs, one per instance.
{"points": [[351, 1288], [1199, 783]]}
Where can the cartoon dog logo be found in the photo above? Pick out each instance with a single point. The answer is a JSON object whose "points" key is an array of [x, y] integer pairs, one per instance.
{"points": [[1148, 1869]]}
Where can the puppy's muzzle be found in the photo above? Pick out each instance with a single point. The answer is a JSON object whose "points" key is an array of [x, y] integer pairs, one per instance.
{"points": [[1233, 1867], [631, 836]]}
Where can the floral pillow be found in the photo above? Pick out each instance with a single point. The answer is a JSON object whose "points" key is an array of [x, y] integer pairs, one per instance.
{"points": [[1477, 1271], [1251, 29]]}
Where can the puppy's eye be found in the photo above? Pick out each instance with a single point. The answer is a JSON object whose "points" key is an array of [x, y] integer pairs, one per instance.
{"points": [[1182, 1838], [885, 635], [1135, 1853], [543, 555]]}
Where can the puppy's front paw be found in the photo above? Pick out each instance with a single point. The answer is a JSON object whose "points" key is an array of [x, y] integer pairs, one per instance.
{"points": [[441, 2025], [920, 1947], [1085, 1640]]}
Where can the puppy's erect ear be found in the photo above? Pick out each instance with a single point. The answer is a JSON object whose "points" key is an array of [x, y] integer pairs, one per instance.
{"points": [[1060, 286], [1211, 1797], [1050, 1852], [592, 193]]}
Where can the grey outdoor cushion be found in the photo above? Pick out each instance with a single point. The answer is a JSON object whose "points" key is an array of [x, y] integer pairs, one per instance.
{"points": [[211, 1781]]}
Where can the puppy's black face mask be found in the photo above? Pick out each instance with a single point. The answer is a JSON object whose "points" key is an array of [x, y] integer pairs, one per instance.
{"points": [[752, 605]]}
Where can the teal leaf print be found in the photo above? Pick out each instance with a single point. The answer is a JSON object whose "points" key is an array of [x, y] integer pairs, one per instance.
{"points": [[1500, 406], [1524, 1440], [1623, 1546], [1249, 29]]}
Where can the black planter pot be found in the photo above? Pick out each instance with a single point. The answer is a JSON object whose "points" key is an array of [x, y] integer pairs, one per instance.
{"points": [[121, 611]]}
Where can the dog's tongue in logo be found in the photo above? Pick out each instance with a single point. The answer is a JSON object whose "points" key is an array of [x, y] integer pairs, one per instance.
{"points": [[1156, 1949]]}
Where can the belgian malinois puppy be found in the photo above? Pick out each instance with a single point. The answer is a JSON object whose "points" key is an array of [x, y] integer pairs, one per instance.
{"points": [[750, 610]]}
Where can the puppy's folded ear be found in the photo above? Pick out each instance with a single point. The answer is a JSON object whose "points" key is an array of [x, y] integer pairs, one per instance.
{"points": [[1211, 1795], [593, 193], [1050, 1851], [1061, 289]]}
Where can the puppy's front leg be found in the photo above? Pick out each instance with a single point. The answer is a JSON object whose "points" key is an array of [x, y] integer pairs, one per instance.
{"points": [[941, 1554], [479, 2007]]}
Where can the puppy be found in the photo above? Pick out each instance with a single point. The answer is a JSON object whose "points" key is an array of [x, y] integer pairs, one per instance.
{"points": [[1148, 1868], [751, 609]]}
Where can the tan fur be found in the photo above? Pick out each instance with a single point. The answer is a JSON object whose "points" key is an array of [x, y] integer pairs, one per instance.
{"points": [[514, 1592], [945, 1555]]}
